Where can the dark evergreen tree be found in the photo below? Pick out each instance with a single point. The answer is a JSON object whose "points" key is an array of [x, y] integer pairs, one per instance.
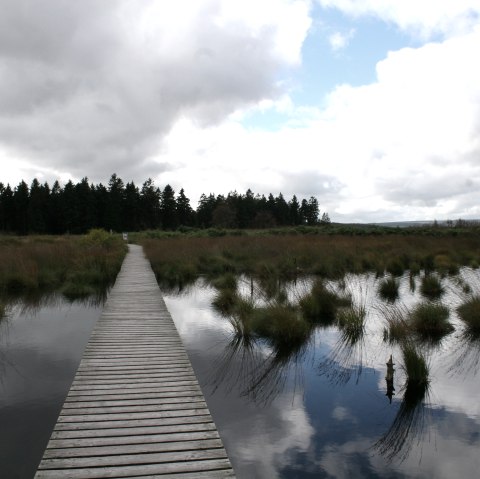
{"points": [[168, 208], [310, 211], [282, 211], [131, 208], [295, 216], [206, 206], [37, 207], [100, 194], [149, 205], [54, 210], [21, 197], [85, 212], [114, 213], [6, 208], [185, 213]]}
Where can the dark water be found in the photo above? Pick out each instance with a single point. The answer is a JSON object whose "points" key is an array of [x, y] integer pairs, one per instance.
{"points": [[318, 412], [41, 345], [322, 411]]}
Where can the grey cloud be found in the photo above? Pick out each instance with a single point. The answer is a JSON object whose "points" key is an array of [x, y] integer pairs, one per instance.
{"points": [[311, 183], [423, 189], [78, 94]]}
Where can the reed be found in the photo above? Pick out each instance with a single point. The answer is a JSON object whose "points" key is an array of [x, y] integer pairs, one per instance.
{"points": [[430, 320], [351, 321], [469, 312], [320, 305], [76, 265], [388, 288], [290, 254], [431, 286], [398, 328], [283, 326], [415, 366]]}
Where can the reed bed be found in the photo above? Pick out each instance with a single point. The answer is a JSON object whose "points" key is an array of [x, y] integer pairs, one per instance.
{"points": [[77, 266], [182, 258]]}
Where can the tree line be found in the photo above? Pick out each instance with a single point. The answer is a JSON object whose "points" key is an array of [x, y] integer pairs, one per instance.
{"points": [[77, 208]]}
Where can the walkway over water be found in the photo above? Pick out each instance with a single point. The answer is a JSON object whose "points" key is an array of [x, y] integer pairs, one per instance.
{"points": [[135, 408]]}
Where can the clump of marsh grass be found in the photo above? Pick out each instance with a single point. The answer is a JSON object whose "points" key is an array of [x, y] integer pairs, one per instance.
{"points": [[225, 301], [397, 329], [469, 312], [320, 305], [351, 321], [282, 325], [409, 422], [430, 320], [388, 288], [226, 281], [415, 367], [431, 286]]}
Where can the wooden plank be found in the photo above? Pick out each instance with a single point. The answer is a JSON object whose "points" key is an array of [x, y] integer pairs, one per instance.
{"points": [[133, 431], [185, 469], [129, 448], [135, 408], [88, 442]]}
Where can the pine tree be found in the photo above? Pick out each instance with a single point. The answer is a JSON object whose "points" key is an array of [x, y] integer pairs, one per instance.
{"points": [[185, 213], [168, 208]]}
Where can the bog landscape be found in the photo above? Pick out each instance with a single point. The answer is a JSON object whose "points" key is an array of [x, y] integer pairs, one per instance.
{"points": [[317, 345]]}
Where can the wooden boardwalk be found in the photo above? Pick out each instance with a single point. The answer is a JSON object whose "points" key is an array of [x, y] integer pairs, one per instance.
{"points": [[135, 408]]}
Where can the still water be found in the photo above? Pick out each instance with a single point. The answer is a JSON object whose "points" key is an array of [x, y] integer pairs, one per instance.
{"points": [[322, 411], [41, 344]]}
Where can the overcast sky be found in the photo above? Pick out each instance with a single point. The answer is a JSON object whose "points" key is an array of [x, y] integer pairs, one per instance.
{"points": [[372, 106]]}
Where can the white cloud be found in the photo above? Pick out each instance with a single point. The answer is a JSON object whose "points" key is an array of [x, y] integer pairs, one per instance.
{"points": [[339, 40], [92, 88], [403, 147], [420, 17]]}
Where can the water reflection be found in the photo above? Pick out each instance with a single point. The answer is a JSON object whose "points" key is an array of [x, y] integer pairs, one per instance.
{"points": [[409, 424], [260, 386], [41, 343]]}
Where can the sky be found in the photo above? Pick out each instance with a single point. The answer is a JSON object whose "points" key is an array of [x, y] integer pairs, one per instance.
{"points": [[372, 106]]}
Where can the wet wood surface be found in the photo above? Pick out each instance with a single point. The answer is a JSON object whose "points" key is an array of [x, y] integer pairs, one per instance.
{"points": [[135, 408]]}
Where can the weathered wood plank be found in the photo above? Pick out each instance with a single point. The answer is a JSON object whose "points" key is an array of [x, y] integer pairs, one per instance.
{"points": [[193, 424], [135, 408], [125, 449], [188, 468], [87, 442]]}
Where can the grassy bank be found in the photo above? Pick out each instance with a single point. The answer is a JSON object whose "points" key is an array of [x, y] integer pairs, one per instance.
{"points": [[75, 265], [183, 257]]}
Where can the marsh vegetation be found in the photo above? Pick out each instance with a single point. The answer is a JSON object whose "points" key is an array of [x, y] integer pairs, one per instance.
{"points": [[77, 266]]}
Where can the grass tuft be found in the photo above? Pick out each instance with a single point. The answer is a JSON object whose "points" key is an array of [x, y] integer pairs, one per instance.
{"points": [[320, 305], [416, 367], [430, 320], [351, 321], [388, 288], [469, 312], [431, 286]]}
